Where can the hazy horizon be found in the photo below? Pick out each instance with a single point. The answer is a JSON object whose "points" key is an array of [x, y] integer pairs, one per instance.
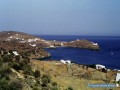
{"points": [[61, 17]]}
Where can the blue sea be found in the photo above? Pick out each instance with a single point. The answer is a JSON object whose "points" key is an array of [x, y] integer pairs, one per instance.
{"points": [[108, 55]]}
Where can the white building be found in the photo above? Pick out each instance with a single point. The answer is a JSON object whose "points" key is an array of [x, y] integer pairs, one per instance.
{"points": [[15, 53], [118, 77], [33, 45], [62, 44], [95, 44], [99, 66], [65, 62], [52, 46]]}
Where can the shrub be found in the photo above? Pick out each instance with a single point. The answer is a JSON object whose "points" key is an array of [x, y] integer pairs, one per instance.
{"points": [[15, 85], [47, 78], [54, 88], [28, 59], [87, 75], [16, 65], [37, 73], [5, 52], [54, 84], [24, 63], [6, 58], [36, 88], [27, 70], [4, 84], [70, 88], [1, 61], [45, 88], [44, 82], [24, 55], [92, 66], [5, 71], [17, 58], [11, 52]]}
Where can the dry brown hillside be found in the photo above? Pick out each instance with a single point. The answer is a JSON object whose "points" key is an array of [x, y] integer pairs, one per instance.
{"points": [[76, 76]]}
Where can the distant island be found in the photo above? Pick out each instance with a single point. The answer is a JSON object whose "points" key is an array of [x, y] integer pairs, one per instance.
{"points": [[20, 69]]}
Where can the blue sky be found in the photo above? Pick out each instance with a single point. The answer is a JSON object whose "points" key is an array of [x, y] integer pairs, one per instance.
{"points": [[61, 17]]}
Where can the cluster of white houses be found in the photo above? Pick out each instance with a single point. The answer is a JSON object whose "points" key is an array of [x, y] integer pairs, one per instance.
{"points": [[65, 61], [14, 52]]}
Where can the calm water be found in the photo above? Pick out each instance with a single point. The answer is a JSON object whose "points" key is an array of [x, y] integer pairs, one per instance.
{"points": [[109, 54]]}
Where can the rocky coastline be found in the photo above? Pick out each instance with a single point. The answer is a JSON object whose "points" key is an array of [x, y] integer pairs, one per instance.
{"points": [[19, 67]]}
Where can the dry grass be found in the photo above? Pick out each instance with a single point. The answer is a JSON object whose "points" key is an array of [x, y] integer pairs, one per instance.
{"points": [[59, 73]]}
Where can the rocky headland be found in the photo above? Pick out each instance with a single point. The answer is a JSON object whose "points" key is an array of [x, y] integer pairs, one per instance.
{"points": [[37, 41]]}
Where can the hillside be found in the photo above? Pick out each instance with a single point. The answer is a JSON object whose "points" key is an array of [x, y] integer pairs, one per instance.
{"points": [[74, 75], [10, 35], [37, 41], [19, 69]]}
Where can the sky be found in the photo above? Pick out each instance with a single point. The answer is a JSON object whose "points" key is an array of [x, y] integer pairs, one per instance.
{"points": [[61, 17]]}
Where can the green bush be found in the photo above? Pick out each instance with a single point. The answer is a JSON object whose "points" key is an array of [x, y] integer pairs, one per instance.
{"points": [[45, 88], [54, 88], [5, 52], [36, 88], [37, 73], [16, 65], [45, 80], [6, 58], [5, 70], [24, 63], [47, 77], [24, 55], [11, 52], [17, 58], [27, 70], [4, 85], [16, 85], [70, 88], [54, 84], [1, 61]]}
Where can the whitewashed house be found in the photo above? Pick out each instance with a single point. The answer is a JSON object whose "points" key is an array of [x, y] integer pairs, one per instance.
{"points": [[33, 45], [65, 62], [118, 77], [99, 66], [95, 44], [68, 61], [15, 53], [62, 61]]}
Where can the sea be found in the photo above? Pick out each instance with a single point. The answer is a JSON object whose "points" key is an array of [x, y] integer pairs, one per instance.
{"points": [[108, 55]]}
